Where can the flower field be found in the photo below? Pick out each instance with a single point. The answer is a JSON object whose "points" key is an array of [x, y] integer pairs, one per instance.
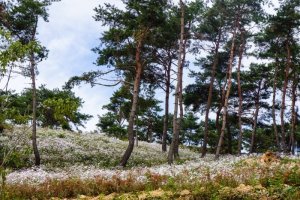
{"points": [[85, 166]]}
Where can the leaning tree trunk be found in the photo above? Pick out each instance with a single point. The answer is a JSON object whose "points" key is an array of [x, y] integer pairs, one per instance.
{"points": [[166, 117], [136, 88], [177, 90], [136, 131], [229, 139], [273, 104], [208, 105], [221, 104], [255, 118], [241, 52], [218, 113], [225, 107], [222, 99], [285, 85]]}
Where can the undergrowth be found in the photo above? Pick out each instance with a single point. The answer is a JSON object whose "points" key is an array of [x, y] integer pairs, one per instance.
{"points": [[274, 181], [82, 166]]}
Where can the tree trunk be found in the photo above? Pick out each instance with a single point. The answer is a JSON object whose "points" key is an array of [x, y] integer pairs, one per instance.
{"points": [[241, 52], [175, 138], [211, 85], [273, 105], [149, 131], [294, 113], [180, 119], [218, 113], [255, 118], [34, 104], [136, 88], [221, 104], [225, 107], [176, 147], [222, 101], [136, 131], [229, 138], [286, 79], [136, 140], [218, 120], [180, 99], [166, 117]]}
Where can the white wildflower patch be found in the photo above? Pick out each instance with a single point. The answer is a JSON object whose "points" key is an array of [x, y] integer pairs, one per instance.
{"points": [[195, 169], [34, 176], [88, 156]]}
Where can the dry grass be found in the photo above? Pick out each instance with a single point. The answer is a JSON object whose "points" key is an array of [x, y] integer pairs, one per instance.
{"points": [[249, 177], [280, 180]]}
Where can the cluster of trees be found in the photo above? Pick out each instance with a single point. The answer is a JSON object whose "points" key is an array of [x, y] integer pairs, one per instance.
{"points": [[232, 106], [20, 54], [55, 109], [245, 107]]}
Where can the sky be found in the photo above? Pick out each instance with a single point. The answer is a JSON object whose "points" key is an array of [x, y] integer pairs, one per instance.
{"points": [[69, 36]]}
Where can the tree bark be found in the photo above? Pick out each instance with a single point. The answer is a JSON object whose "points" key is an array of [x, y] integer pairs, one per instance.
{"points": [[286, 79], [241, 52], [175, 138], [218, 120], [136, 88], [180, 119], [149, 131], [218, 113], [211, 85], [166, 117], [136, 131], [255, 117], [180, 99], [294, 113], [229, 138], [222, 102], [273, 104], [225, 107], [34, 103]]}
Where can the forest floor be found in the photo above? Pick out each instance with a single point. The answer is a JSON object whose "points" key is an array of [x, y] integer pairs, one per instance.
{"points": [[83, 166]]}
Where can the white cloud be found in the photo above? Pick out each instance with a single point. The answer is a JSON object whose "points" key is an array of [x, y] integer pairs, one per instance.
{"points": [[69, 36]]}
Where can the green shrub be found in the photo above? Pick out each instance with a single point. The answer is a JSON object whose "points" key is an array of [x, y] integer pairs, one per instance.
{"points": [[292, 177], [16, 159], [61, 135]]}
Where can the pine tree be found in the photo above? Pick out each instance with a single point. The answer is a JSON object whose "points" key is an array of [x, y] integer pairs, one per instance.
{"points": [[22, 21], [129, 32]]}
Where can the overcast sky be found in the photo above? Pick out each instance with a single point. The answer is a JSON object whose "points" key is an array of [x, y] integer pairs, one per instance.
{"points": [[70, 35]]}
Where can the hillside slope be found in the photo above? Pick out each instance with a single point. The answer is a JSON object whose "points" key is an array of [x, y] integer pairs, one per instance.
{"points": [[77, 164]]}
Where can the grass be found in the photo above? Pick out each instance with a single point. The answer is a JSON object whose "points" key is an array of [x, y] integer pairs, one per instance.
{"points": [[83, 166], [72, 148], [282, 184]]}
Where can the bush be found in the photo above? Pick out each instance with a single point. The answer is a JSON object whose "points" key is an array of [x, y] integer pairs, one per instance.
{"points": [[16, 158]]}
